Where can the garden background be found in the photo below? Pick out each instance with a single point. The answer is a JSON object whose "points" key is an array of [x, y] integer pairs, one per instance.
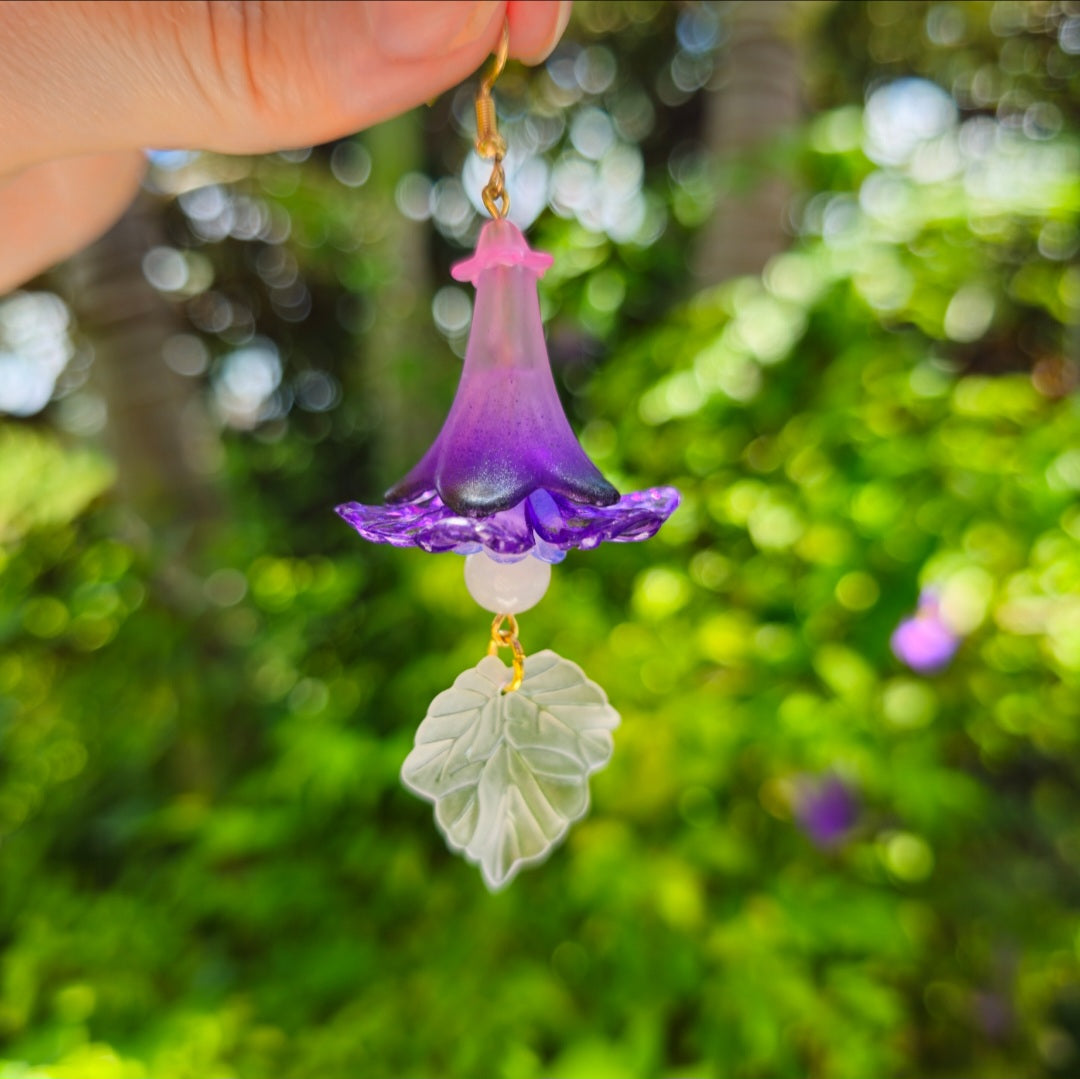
{"points": [[816, 264]]}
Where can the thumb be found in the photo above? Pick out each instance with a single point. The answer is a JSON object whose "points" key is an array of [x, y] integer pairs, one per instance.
{"points": [[50, 210], [237, 76]]}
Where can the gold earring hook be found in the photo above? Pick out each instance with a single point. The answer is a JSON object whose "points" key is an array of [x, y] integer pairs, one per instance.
{"points": [[501, 51], [490, 145]]}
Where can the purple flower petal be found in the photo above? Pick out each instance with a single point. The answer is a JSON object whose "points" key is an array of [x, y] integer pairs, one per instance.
{"points": [[564, 524], [544, 525]]}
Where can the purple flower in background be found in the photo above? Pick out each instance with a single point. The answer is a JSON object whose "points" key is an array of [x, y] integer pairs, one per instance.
{"points": [[924, 641], [826, 809], [506, 473]]}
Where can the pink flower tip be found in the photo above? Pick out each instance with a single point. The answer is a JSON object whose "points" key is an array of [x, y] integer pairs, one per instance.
{"points": [[500, 244]]}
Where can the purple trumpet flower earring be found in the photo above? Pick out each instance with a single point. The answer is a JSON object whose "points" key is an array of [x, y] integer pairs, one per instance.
{"points": [[505, 753]]}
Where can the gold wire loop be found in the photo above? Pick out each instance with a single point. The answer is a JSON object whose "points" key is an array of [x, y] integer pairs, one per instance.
{"points": [[508, 638], [490, 145], [494, 192]]}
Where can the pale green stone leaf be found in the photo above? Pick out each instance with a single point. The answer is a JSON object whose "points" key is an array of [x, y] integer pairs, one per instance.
{"points": [[509, 772]]}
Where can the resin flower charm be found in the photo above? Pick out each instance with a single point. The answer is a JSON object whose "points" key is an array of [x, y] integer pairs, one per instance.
{"points": [[506, 473]]}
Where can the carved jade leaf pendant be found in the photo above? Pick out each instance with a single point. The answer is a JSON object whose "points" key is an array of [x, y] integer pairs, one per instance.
{"points": [[508, 773]]}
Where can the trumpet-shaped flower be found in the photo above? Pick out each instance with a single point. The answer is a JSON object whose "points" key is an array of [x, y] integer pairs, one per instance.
{"points": [[506, 473]]}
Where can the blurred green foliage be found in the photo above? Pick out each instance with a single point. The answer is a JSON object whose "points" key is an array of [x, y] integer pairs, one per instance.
{"points": [[207, 864]]}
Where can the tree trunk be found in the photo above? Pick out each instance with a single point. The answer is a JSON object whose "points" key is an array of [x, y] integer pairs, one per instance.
{"points": [[400, 343], [759, 99], [157, 427]]}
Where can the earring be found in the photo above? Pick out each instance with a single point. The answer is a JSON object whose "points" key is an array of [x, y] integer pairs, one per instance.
{"points": [[505, 754]]}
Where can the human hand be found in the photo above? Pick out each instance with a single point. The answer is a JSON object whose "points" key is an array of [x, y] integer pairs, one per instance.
{"points": [[87, 84]]}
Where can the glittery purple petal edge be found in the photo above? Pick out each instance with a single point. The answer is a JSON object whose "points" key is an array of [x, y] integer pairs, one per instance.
{"points": [[544, 525]]}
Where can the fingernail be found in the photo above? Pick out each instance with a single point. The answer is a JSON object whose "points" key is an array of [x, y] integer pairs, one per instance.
{"points": [[411, 29]]}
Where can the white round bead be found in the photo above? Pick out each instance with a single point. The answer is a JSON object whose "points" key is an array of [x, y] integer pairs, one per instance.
{"points": [[506, 587]]}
